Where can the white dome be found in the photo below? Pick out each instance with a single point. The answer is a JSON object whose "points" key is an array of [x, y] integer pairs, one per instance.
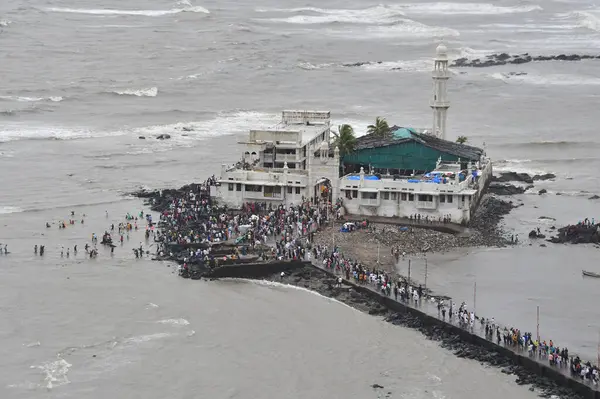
{"points": [[441, 50]]}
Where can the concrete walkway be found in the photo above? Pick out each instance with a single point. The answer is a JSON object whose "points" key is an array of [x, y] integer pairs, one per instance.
{"points": [[430, 309]]}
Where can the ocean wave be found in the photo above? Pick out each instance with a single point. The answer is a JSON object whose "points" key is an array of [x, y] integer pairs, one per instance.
{"points": [[145, 13], [546, 80], [267, 283], [311, 67], [10, 209], [407, 28], [547, 143], [15, 133], [148, 92], [371, 15], [466, 8], [225, 123], [4, 23], [55, 372], [175, 322], [589, 19], [32, 99], [147, 338], [424, 65]]}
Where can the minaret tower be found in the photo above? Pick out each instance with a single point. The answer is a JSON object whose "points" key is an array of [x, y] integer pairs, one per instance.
{"points": [[439, 100]]}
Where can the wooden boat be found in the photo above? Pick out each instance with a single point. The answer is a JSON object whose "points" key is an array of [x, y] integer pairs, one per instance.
{"points": [[590, 274]]}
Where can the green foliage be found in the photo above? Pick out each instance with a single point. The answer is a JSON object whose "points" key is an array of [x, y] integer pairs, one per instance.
{"points": [[345, 139], [462, 139], [380, 128]]}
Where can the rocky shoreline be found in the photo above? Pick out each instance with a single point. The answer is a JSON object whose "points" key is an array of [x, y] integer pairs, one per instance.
{"points": [[318, 281], [517, 59]]}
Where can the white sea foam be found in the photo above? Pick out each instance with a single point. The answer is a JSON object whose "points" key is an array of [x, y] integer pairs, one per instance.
{"points": [[33, 344], [310, 67], [175, 322], [147, 92], [226, 123], [13, 133], [150, 305], [145, 13], [465, 8], [10, 209], [424, 65], [4, 23], [32, 99], [407, 28], [547, 80], [55, 372], [589, 19], [371, 15], [147, 338], [267, 283]]}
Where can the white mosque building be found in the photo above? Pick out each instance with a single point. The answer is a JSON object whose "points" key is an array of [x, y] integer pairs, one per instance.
{"points": [[409, 172]]}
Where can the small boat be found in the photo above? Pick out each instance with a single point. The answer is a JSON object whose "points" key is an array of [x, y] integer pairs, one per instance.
{"points": [[590, 274]]}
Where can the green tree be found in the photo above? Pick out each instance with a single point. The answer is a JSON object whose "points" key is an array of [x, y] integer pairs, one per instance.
{"points": [[462, 139], [345, 139], [380, 128]]}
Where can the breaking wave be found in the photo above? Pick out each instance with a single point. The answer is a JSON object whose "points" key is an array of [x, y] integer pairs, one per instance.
{"points": [[371, 15], [465, 8], [51, 133], [546, 144], [32, 99], [10, 209], [175, 322], [547, 80], [407, 28], [145, 13], [4, 23], [148, 92], [589, 19], [55, 372]]}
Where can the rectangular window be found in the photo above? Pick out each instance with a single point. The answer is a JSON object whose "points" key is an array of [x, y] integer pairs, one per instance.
{"points": [[385, 195], [230, 186], [368, 195], [403, 196], [442, 198], [238, 187], [450, 199], [290, 190], [297, 190], [425, 198], [253, 188], [411, 197], [354, 193], [394, 196], [349, 194]]}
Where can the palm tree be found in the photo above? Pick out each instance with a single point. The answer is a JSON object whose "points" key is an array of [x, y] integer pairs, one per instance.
{"points": [[461, 139], [380, 128], [345, 139]]}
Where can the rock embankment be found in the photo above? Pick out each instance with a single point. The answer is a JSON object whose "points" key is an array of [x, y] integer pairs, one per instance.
{"points": [[517, 59], [578, 234], [316, 280], [375, 243], [500, 184]]}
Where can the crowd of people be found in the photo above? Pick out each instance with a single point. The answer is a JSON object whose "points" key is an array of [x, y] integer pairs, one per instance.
{"points": [[382, 282], [286, 233]]}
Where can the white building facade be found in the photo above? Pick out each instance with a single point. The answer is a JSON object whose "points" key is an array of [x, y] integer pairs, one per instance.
{"points": [[292, 162], [285, 164]]}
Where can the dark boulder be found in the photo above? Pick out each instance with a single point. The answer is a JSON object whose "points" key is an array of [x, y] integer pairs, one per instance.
{"points": [[142, 138], [163, 136], [546, 176], [542, 191], [594, 197], [577, 234], [513, 176], [505, 189]]}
